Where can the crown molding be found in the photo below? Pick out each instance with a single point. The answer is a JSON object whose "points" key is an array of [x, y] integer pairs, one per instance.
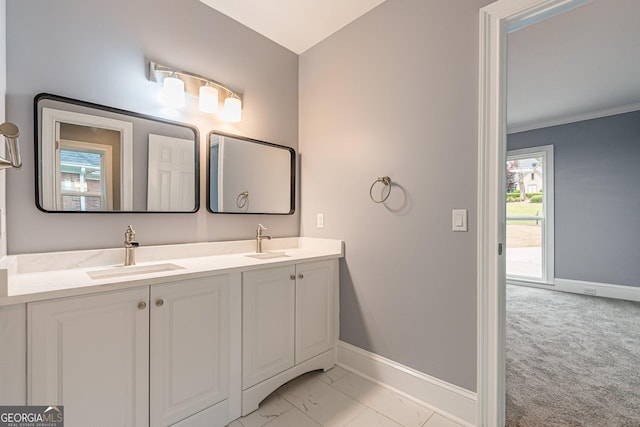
{"points": [[574, 118]]}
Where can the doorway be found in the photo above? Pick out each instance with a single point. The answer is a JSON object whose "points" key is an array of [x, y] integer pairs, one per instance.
{"points": [[496, 22]]}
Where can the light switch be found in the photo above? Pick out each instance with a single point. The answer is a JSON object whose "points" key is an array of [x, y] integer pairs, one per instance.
{"points": [[320, 220], [459, 220]]}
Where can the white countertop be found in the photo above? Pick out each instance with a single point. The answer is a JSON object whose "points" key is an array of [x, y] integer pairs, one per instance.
{"points": [[36, 277]]}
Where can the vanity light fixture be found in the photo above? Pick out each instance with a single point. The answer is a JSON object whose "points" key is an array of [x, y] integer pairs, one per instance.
{"points": [[208, 99], [173, 92], [11, 134], [206, 89], [232, 111]]}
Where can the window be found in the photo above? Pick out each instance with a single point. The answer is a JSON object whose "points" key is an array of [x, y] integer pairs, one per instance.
{"points": [[85, 176], [529, 214]]}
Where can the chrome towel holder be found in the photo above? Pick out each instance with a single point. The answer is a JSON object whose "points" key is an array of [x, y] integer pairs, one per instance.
{"points": [[386, 181], [241, 200]]}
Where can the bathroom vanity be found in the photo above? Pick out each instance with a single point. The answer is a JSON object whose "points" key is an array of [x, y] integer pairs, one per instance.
{"points": [[192, 335]]}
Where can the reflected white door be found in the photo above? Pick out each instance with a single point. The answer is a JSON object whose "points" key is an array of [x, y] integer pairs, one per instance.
{"points": [[171, 179]]}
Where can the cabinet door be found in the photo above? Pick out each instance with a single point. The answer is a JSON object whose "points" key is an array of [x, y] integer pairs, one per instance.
{"points": [[13, 354], [91, 354], [315, 308], [189, 348], [268, 298]]}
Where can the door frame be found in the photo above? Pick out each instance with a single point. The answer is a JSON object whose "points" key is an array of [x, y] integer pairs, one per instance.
{"points": [[497, 20]]}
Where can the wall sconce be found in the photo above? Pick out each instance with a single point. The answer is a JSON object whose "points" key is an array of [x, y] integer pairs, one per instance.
{"points": [[175, 83], [11, 134]]}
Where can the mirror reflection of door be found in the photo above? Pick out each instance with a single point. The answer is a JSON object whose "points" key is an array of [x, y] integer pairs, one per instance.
{"points": [[529, 214], [87, 165], [171, 183], [94, 158]]}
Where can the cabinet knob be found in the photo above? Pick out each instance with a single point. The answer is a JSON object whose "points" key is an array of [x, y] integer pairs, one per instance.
{"points": [[300, 276], [292, 277], [142, 305], [160, 302]]}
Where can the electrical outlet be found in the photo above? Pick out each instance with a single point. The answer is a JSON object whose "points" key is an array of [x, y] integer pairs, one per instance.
{"points": [[320, 220]]}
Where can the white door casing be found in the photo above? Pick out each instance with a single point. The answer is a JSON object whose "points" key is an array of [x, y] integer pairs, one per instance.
{"points": [[50, 134], [496, 21]]}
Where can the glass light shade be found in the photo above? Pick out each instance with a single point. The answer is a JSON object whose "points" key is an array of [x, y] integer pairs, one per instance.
{"points": [[208, 99], [173, 92], [232, 110]]}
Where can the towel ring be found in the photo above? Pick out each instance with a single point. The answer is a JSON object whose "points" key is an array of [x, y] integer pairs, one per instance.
{"points": [[241, 200], [387, 182]]}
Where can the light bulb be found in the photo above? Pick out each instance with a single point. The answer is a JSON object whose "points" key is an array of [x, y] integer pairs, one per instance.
{"points": [[208, 99], [173, 92], [232, 109]]}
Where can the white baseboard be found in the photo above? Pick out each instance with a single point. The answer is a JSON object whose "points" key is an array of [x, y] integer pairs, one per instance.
{"points": [[631, 293], [446, 399], [606, 290]]}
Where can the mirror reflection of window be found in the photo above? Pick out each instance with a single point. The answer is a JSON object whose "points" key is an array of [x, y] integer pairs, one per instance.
{"points": [[95, 158], [85, 162], [82, 181], [88, 166]]}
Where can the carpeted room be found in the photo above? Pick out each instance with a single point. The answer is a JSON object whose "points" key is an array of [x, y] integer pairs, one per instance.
{"points": [[572, 360]]}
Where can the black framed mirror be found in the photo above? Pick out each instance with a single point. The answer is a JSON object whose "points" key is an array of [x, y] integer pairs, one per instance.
{"points": [[94, 158], [247, 176]]}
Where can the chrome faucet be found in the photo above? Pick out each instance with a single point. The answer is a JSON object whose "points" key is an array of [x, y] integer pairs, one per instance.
{"points": [[130, 246], [260, 237]]}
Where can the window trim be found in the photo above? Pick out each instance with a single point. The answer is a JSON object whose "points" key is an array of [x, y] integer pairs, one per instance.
{"points": [[548, 253]]}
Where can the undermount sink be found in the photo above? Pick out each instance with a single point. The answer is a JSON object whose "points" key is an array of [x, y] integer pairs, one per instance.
{"points": [[121, 271], [268, 255]]}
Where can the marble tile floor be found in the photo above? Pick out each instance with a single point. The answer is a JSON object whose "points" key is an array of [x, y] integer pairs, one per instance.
{"points": [[339, 398]]}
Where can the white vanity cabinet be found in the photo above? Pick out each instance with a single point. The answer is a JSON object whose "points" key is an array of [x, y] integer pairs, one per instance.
{"points": [[189, 369], [13, 354], [154, 355], [289, 325], [268, 316], [91, 354], [316, 309]]}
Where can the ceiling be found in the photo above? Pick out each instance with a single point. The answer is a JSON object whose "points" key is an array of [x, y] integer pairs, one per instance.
{"points": [[294, 24], [581, 64], [584, 63]]}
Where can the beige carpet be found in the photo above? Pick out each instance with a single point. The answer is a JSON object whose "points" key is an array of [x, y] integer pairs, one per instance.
{"points": [[572, 360]]}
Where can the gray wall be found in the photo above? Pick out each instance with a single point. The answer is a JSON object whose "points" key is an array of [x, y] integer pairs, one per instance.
{"points": [[395, 93], [597, 201], [98, 51]]}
